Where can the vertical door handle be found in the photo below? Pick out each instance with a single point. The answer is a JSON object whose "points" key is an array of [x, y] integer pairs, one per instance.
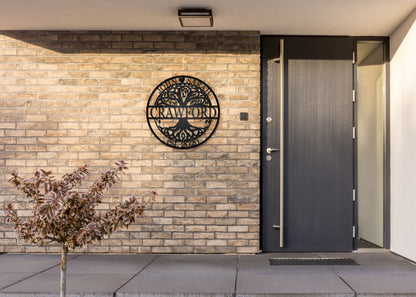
{"points": [[269, 150], [282, 138]]}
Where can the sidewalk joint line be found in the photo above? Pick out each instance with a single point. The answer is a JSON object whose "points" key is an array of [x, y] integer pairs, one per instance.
{"points": [[344, 281], [39, 272], [236, 275], [140, 271]]}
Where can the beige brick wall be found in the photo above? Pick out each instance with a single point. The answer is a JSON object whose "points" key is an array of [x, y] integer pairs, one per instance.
{"points": [[74, 98]]}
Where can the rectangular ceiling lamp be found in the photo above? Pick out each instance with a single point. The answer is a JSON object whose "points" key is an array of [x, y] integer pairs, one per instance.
{"points": [[195, 17]]}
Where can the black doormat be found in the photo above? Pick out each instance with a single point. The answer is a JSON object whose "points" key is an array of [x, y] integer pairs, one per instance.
{"points": [[312, 261]]}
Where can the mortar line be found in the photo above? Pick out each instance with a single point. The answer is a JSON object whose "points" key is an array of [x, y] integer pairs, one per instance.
{"points": [[39, 272], [136, 274]]}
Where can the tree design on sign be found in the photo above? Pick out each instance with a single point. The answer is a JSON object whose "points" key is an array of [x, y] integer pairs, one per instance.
{"points": [[182, 112]]}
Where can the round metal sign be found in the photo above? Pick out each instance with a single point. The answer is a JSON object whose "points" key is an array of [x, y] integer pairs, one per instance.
{"points": [[183, 112]]}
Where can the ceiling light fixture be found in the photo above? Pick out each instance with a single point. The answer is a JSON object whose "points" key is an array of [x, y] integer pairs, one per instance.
{"points": [[195, 17]]}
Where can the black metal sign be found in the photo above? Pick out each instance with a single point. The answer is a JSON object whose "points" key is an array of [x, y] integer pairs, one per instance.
{"points": [[183, 112]]}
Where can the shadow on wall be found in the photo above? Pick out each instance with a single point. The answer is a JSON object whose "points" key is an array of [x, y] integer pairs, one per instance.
{"points": [[400, 33], [140, 42]]}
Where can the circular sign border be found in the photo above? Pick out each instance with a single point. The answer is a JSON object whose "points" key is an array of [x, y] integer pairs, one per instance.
{"points": [[149, 119]]}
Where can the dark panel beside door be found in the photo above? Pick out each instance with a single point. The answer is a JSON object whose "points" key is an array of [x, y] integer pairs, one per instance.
{"points": [[271, 162]]}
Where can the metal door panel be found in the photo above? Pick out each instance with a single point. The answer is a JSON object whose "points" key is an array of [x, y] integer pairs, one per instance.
{"points": [[319, 155]]}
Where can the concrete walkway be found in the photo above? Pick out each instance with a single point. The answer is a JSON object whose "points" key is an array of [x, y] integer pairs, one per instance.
{"points": [[379, 273]]}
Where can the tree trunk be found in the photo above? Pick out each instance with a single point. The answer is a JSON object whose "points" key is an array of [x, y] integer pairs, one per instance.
{"points": [[64, 256]]}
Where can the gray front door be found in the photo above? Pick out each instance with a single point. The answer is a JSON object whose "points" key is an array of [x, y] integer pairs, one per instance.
{"points": [[316, 210]]}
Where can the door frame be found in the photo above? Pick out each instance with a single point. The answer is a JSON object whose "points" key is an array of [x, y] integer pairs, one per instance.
{"points": [[385, 41], [386, 173]]}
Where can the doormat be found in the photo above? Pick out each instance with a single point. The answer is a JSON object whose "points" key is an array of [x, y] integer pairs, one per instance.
{"points": [[312, 261]]}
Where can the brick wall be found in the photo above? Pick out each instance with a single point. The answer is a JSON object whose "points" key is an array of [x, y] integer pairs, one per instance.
{"points": [[75, 98]]}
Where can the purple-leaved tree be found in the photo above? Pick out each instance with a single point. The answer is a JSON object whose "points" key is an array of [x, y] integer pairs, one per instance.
{"points": [[64, 214]]}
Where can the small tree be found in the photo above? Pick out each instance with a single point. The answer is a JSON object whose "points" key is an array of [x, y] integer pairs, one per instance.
{"points": [[66, 215]]}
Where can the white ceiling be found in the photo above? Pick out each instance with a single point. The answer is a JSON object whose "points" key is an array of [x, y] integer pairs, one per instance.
{"points": [[309, 17]]}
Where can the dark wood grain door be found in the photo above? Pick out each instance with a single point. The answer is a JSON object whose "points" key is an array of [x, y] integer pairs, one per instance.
{"points": [[318, 149]]}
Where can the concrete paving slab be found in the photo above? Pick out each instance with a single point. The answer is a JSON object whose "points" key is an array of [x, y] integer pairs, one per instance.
{"points": [[108, 264], [26, 262], [379, 262], [15, 267], [48, 285], [377, 284], [95, 275], [257, 277], [379, 274], [180, 275]]}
